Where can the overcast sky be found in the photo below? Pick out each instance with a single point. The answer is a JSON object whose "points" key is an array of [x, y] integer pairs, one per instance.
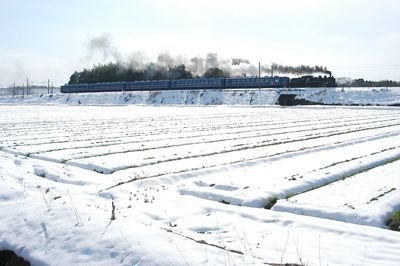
{"points": [[43, 39]]}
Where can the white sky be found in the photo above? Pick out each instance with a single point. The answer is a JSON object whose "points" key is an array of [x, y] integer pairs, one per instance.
{"points": [[43, 39]]}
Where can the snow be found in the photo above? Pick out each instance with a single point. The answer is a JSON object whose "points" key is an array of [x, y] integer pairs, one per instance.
{"points": [[190, 183], [353, 96], [376, 197], [254, 97]]}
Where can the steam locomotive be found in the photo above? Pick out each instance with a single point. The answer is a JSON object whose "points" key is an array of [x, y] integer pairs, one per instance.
{"points": [[203, 83], [312, 82]]}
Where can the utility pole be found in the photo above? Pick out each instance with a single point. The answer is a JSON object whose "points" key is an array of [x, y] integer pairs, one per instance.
{"points": [[27, 86], [48, 86], [259, 75], [14, 89]]}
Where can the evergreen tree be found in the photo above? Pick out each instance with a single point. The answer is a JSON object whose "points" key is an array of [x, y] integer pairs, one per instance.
{"points": [[216, 72]]}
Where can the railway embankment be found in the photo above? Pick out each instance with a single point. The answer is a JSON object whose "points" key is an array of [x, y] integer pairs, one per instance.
{"points": [[280, 96]]}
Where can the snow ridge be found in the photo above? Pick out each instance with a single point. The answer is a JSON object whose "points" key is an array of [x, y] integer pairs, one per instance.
{"points": [[331, 96]]}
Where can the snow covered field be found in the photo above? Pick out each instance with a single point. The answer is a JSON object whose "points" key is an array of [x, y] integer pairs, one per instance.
{"points": [[143, 185], [330, 96]]}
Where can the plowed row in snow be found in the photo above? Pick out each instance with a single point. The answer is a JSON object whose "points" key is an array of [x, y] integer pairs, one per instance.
{"points": [[335, 163], [294, 146]]}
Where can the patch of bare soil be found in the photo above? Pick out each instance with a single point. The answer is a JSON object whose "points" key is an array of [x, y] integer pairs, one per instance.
{"points": [[9, 258]]}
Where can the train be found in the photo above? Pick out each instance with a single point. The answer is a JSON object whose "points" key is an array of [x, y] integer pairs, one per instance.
{"points": [[203, 83], [312, 82]]}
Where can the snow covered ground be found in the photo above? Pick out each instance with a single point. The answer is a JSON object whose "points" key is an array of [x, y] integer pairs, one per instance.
{"points": [[189, 185], [331, 96]]}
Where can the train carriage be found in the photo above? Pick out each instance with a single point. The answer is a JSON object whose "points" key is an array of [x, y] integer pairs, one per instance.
{"points": [[212, 83], [148, 85], [203, 83], [108, 86]]}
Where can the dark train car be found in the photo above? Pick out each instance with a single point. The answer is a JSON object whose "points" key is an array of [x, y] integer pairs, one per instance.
{"points": [[185, 84], [74, 88], [105, 87], [312, 82], [281, 81], [246, 82], [148, 85], [263, 82], [96, 87]]}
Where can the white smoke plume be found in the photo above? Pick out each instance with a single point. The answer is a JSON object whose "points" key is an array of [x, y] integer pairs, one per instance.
{"points": [[237, 67], [104, 45]]}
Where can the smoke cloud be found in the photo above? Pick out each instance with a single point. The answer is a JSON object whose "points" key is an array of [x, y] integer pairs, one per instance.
{"points": [[238, 61], [237, 67], [197, 65], [212, 60], [297, 70], [104, 45]]}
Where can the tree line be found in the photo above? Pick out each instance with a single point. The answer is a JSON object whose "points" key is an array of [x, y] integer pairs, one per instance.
{"points": [[114, 72], [368, 83], [118, 71]]}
